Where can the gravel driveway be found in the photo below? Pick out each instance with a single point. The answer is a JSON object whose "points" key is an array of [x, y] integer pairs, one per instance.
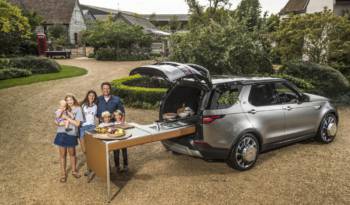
{"points": [[304, 173]]}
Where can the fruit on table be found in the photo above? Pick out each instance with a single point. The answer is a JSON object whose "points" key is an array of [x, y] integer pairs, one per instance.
{"points": [[101, 130], [119, 132]]}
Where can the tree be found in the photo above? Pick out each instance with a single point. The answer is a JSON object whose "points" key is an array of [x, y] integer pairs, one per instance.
{"points": [[223, 49], [122, 38], [201, 15], [14, 28], [320, 37], [174, 24], [248, 12]]}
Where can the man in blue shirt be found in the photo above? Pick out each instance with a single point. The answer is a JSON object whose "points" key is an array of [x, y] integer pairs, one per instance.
{"points": [[108, 102], [111, 103]]}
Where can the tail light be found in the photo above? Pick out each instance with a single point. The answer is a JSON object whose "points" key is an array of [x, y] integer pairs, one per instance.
{"points": [[211, 118]]}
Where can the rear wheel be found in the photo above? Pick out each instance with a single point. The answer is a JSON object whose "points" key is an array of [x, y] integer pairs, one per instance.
{"points": [[244, 153], [328, 129]]}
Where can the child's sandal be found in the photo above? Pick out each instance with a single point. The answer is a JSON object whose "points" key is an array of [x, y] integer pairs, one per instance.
{"points": [[76, 175]]}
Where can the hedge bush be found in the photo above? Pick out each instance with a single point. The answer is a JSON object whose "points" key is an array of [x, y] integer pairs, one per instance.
{"points": [[136, 96], [37, 65], [327, 80], [7, 73], [300, 83], [123, 55]]}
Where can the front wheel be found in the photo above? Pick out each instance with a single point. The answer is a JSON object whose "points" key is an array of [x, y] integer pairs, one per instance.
{"points": [[244, 153], [328, 129]]}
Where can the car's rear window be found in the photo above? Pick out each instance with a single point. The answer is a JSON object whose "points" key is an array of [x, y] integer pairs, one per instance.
{"points": [[224, 96]]}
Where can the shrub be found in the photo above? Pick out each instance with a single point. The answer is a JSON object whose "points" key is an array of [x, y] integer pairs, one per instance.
{"points": [[121, 55], [7, 73], [135, 96], [35, 65], [327, 80], [300, 83]]}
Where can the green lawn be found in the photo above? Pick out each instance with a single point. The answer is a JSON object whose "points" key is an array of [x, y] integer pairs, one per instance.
{"points": [[66, 72]]}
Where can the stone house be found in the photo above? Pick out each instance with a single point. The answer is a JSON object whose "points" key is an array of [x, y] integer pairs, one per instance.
{"points": [[339, 7], [57, 12]]}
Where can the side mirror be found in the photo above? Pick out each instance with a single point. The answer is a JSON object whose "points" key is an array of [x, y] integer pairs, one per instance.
{"points": [[304, 98]]}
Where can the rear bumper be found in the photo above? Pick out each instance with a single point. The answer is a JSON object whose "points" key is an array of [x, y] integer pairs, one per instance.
{"points": [[182, 149], [205, 152]]}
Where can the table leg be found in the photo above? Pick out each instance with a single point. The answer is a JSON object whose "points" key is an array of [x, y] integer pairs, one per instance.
{"points": [[108, 176]]}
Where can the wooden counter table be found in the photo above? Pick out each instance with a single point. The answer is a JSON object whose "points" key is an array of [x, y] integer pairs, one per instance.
{"points": [[97, 151]]}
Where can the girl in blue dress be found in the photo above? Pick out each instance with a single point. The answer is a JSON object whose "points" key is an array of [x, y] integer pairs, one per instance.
{"points": [[68, 140]]}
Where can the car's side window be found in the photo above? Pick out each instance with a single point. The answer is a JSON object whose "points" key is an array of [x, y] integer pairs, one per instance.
{"points": [[263, 94], [285, 94], [225, 96]]}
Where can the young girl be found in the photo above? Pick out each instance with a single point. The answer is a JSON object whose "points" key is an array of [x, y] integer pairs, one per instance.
{"points": [[67, 140], [119, 118], [106, 118], [89, 106]]}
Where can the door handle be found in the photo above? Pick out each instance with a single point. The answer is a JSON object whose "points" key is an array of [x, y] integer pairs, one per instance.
{"points": [[252, 111], [288, 108]]}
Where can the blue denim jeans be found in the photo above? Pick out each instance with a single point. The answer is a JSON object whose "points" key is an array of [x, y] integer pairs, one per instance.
{"points": [[86, 128]]}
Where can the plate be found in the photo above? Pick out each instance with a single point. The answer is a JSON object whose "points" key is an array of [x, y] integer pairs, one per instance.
{"points": [[109, 137]]}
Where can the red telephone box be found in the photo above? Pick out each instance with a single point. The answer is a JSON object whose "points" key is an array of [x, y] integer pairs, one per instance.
{"points": [[42, 44]]}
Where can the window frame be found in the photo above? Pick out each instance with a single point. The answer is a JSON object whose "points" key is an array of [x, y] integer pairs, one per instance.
{"points": [[229, 86]]}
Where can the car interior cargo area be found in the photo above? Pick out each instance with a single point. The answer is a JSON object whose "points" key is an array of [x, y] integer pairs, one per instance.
{"points": [[181, 103]]}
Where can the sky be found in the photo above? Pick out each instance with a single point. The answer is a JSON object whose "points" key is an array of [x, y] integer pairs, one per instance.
{"points": [[171, 6]]}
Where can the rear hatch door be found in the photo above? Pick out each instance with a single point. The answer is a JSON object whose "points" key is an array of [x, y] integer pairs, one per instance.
{"points": [[174, 72]]}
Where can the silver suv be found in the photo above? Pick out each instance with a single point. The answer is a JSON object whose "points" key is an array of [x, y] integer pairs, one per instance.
{"points": [[239, 117]]}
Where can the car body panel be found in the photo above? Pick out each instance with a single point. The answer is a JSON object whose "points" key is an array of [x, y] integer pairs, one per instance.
{"points": [[222, 132]]}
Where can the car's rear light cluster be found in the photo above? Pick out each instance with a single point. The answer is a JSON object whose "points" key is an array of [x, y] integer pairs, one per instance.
{"points": [[211, 118]]}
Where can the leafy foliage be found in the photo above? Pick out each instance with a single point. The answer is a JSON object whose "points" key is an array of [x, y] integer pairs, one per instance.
{"points": [[123, 39], [248, 12], [37, 65], [14, 28], [223, 49], [326, 80], [7, 73], [57, 34], [322, 37], [224, 41]]}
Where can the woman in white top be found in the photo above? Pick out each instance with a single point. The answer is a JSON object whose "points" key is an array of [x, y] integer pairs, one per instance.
{"points": [[89, 106]]}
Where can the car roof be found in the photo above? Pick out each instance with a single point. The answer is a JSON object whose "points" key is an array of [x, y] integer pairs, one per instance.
{"points": [[218, 79]]}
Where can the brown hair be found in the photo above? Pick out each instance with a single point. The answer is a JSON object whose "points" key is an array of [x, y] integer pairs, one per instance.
{"points": [[86, 99], [106, 83], [74, 100]]}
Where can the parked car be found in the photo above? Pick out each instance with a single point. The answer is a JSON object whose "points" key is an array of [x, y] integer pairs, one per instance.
{"points": [[237, 118]]}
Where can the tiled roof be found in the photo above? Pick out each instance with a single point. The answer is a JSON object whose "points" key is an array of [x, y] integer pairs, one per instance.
{"points": [[295, 6], [52, 11]]}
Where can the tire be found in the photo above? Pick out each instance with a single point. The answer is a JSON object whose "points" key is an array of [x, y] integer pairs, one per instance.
{"points": [[327, 130], [244, 152]]}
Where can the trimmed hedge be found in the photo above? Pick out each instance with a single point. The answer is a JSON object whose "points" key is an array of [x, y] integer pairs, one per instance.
{"points": [[109, 54], [8, 73], [327, 80], [37, 65], [135, 96], [300, 83]]}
